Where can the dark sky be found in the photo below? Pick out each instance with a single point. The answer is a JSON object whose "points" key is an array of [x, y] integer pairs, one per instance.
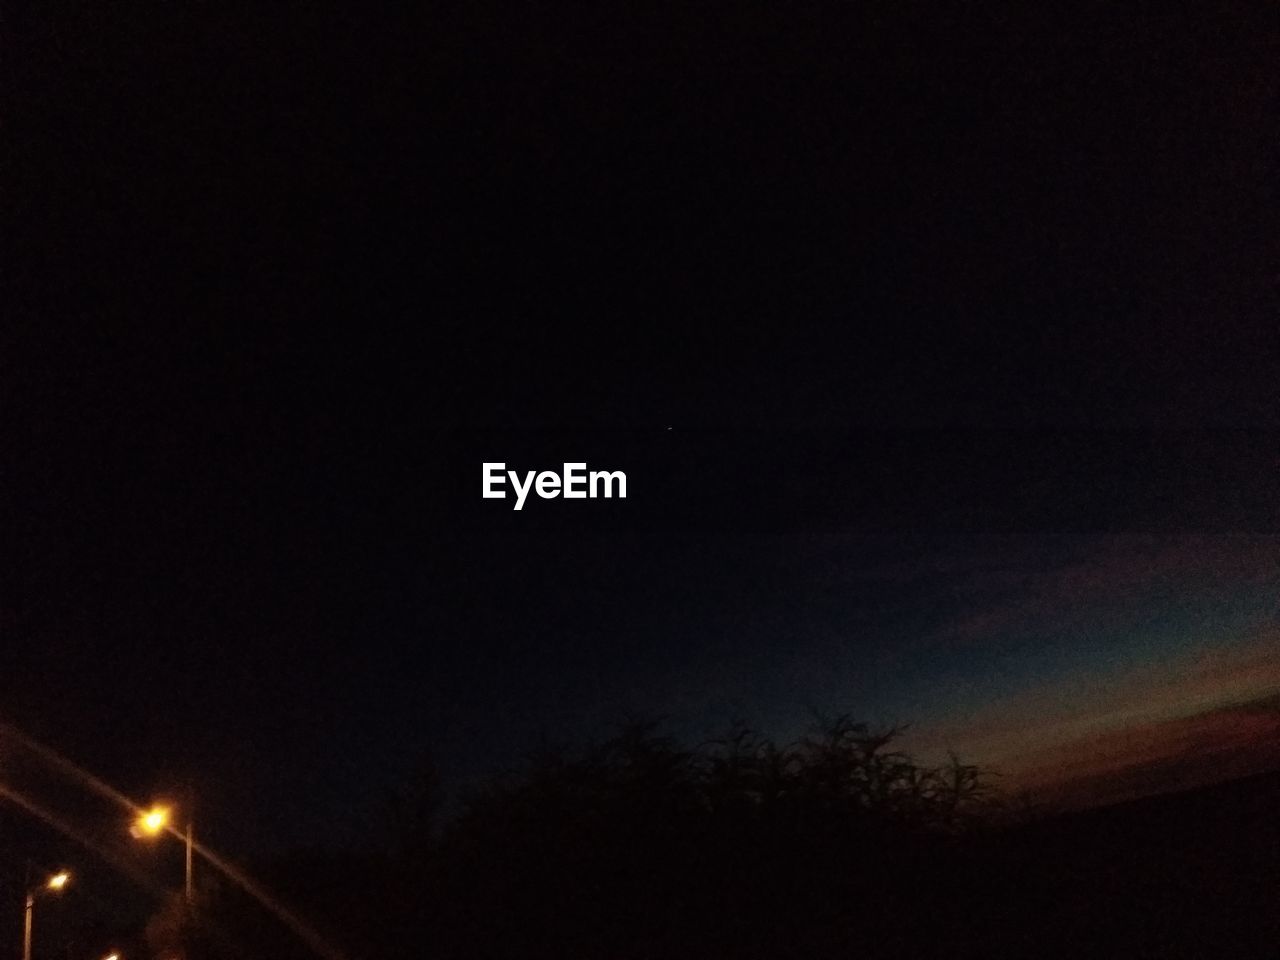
{"points": [[908, 326]]}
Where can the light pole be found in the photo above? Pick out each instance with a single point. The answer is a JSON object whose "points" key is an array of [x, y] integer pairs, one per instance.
{"points": [[54, 884], [188, 887], [156, 821]]}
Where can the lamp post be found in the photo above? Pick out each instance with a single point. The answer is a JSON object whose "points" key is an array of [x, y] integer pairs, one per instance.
{"points": [[156, 821], [53, 884]]}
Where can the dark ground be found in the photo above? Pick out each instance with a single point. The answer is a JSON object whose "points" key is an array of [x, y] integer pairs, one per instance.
{"points": [[1193, 874]]}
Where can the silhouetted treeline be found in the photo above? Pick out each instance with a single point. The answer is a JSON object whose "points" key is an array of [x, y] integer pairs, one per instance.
{"points": [[836, 846], [641, 847]]}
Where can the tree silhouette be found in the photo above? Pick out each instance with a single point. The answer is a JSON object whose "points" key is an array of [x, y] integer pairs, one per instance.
{"points": [[640, 846]]}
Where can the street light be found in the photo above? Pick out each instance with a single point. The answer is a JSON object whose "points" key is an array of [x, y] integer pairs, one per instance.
{"points": [[153, 822], [54, 884]]}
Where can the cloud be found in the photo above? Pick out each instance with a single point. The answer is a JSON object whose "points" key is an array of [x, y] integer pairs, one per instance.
{"points": [[1040, 733], [1108, 571], [1149, 758]]}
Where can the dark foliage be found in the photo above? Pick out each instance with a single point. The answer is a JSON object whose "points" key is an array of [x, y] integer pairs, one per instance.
{"points": [[834, 846], [642, 847]]}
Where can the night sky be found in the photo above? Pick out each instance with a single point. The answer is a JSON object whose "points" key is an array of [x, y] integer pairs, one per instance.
{"points": [[939, 351]]}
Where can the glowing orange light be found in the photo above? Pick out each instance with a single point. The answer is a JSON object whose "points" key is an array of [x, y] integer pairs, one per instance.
{"points": [[153, 822]]}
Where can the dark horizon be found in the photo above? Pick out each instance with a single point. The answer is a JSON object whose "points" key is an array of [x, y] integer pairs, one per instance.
{"points": [[731, 584]]}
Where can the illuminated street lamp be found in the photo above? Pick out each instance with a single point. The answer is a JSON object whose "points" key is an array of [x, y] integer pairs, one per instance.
{"points": [[54, 884], [153, 822]]}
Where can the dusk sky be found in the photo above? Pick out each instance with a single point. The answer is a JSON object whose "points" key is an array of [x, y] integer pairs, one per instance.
{"points": [[943, 378], [1088, 631]]}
